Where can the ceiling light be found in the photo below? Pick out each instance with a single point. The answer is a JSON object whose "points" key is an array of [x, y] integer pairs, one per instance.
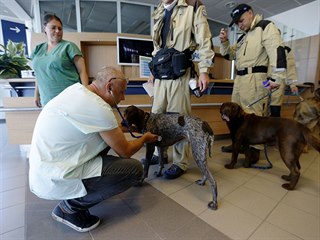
{"points": [[230, 4]]}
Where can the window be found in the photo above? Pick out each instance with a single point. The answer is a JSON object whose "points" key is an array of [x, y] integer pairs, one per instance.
{"points": [[98, 16], [65, 10], [135, 19]]}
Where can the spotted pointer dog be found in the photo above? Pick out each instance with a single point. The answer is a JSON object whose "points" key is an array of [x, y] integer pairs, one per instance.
{"points": [[173, 128]]}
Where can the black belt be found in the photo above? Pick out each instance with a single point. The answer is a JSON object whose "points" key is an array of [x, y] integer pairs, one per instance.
{"points": [[257, 69]]}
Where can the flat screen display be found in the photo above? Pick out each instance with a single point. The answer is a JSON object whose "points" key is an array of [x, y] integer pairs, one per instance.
{"points": [[129, 50]]}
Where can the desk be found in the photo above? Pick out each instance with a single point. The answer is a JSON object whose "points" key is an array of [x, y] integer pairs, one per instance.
{"points": [[21, 87], [21, 113]]}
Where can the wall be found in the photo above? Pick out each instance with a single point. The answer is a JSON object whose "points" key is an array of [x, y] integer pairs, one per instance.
{"points": [[306, 51], [99, 49], [305, 19]]}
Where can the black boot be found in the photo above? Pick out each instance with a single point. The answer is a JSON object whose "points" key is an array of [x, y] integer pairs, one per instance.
{"points": [[275, 111], [252, 156], [228, 149]]}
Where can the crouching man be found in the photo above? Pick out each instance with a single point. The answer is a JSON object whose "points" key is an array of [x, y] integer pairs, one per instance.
{"points": [[68, 157]]}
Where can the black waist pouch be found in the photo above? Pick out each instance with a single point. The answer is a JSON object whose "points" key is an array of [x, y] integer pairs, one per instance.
{"points": [[170, 64]]}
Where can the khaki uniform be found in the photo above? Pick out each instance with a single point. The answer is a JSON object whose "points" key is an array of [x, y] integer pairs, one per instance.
{"points": [[260, 46], [277, 96], [188, 29]]}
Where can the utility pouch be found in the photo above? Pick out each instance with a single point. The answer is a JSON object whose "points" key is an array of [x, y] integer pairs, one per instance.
{"points": [[180, 63], [169, 64]]}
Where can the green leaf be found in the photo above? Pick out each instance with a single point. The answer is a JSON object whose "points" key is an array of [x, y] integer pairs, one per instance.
{"points": [[13, 60]]}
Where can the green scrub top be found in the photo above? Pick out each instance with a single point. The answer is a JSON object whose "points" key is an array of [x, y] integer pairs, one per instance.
{"points": [[55, 70]]}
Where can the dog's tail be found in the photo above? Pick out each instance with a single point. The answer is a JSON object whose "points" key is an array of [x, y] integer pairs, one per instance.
{"points": [[311, 139]]}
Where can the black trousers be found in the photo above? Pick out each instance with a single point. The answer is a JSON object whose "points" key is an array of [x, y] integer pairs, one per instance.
{"points": [[117, 175], [275, 111]]}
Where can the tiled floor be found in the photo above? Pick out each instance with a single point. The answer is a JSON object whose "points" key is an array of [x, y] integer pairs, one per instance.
{"points": [[252, 204]]}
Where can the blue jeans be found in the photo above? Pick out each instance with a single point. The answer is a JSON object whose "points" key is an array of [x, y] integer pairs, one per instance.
{"points": [[118, 174]]}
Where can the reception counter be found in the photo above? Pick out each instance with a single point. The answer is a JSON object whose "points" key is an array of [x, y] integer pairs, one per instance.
{"points": [[21, 112]]}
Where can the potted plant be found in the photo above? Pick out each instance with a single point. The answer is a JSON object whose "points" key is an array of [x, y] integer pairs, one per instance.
{"points": [[13, 60]]}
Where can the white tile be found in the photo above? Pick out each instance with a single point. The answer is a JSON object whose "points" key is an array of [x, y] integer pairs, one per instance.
{"points": [[192, 174], [16, 234], [12, 183], [195, 198], [167, 186], [268, 188], [313, 171], [308, 186], [295, 221], [251, 201], [274, 174], [12, 172], [225, 187], [12, 218], [231, 220], [12, 197], [303, 201], [251, 171], [235, 175], [268, 231]]}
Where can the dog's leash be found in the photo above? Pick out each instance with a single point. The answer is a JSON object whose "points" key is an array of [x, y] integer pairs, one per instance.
{"points": [[269, 162], [258, 100], [265, 145], [126, 124], [128, 127]]}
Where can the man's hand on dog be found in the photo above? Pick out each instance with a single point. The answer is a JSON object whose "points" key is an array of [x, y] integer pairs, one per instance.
{"points": [[149, 137]]}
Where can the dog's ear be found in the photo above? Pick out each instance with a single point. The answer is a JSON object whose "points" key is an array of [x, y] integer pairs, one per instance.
{"points": [[129, 115], [140, 119], [221, 108]]}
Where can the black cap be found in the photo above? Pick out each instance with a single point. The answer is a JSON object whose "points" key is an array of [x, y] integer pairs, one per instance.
{"points": [[238, 11]]}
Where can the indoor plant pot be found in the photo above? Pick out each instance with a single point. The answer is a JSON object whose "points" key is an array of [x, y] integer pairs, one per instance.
{"points": [[13, 60]]}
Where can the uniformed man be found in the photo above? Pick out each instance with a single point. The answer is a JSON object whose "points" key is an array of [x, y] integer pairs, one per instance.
{"points": [[259, 46], [182, 25]]}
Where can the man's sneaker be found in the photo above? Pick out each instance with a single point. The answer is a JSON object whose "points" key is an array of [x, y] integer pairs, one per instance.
{"points": [[81, 221], [173, 172], [155, 160]]}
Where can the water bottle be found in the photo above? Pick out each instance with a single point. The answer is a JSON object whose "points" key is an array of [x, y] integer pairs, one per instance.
{"points": [[194, 87]]}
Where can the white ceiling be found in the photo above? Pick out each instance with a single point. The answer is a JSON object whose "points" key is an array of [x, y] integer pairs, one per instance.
{"points": [[216, 9]]}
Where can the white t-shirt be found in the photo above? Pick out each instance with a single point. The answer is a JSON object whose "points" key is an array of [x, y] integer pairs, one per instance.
{"points": [[66, 143]]}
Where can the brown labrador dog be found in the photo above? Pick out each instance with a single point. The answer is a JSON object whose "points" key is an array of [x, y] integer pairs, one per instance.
{"points": [[250, 129]]}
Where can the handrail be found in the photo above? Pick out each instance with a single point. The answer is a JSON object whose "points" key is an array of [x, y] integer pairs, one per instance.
{"points": [[19, 109], [34, 109]]}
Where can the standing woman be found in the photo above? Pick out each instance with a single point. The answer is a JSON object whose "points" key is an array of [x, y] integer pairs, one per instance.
{"points": [[57, 63]]}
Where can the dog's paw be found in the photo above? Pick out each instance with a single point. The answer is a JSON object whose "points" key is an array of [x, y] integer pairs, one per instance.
{"points": [[286, 177], [140, 183], [200, 182], [287, 186], [229, 166], [213, 205]]}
